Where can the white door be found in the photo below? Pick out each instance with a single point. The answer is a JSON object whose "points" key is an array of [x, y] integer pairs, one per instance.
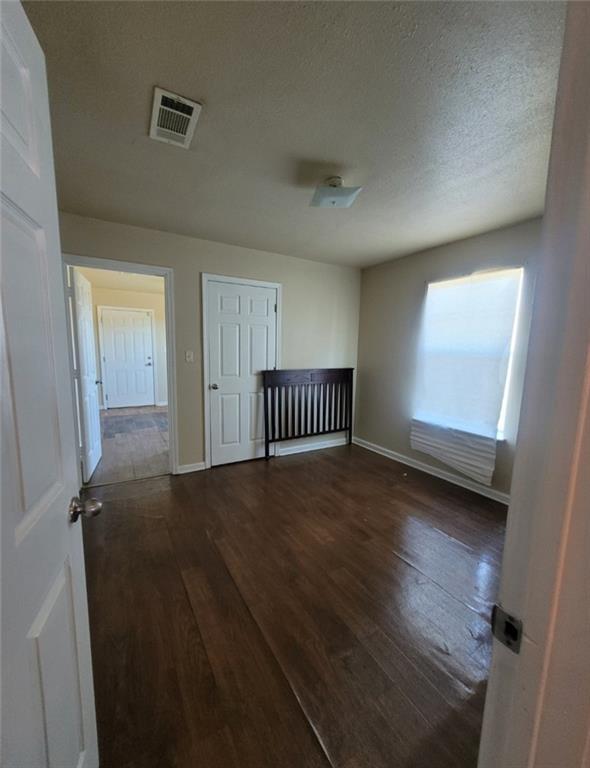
{"points": [[47, 695], [127, 355], [537, 711], [242, 341], [85, 367]]}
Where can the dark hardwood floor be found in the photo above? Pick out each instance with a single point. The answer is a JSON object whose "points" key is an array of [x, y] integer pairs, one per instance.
{"points": [[134, 444], [323, 609]]}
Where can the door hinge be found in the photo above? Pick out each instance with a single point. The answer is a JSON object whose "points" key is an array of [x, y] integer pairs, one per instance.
{"points": [[106, 397], [506, 628], [275, 307]]}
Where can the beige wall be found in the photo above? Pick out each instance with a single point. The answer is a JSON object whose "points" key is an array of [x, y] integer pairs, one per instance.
{"points": [[391, 303], [320, 302], [108, 297], [321, 317]]}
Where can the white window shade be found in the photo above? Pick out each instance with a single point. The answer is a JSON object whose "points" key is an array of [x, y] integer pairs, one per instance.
{"points": [[464, 358]]}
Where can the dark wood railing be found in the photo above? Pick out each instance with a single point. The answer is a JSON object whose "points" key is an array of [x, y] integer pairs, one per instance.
{"points": [[305, 402]]}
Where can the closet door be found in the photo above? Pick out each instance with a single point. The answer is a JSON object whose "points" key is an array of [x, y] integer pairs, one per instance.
{"points": [[242, 334]]}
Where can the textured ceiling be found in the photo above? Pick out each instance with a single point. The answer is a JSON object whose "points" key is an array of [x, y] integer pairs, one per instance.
{"points": [[123, 281], [442, 111]]}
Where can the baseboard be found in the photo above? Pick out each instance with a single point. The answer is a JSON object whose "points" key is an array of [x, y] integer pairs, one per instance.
{"points": [[490, 493], [286, 449], [184, 469], [161, 403]]}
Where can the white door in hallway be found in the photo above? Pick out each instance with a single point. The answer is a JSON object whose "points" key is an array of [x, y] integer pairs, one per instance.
{"points": [[48, 714], [86, 375], [127, 357], [242, 342]]}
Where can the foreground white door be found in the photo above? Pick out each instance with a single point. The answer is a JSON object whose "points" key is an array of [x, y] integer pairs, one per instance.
{"points": [[242, 341], [47, 696], [128, 362], [85, 366], [537, 712]]}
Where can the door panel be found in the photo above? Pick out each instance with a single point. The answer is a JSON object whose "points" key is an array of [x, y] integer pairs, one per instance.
{"points": [[256, 415], [53, 644], [258, 349], [48, 700], [229, 343], [24, 266], [128, 363], [17, 101], [241, 343], [87, 376], [230, 419]]}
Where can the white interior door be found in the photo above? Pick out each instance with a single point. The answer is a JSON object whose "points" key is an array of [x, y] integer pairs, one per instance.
{"points": [[537, 711], [128, 357], [48, 714], [242, 336], [87, 376]]}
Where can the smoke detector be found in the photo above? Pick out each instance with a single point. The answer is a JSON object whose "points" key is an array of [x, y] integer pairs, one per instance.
{"points": [[331, 194], [174, 118]]}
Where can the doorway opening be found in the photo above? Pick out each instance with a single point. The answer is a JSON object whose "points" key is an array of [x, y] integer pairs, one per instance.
{"points": [[120, 361]]}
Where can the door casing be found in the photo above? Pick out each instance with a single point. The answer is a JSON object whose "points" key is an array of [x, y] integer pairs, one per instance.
{"points": [[208, 278], [167, 273]]}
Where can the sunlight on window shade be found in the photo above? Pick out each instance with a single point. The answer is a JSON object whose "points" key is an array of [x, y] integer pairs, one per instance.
{"points": [[465, 351]]}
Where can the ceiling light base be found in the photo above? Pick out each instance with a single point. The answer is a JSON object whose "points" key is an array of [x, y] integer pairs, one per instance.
{"points": [[331, 194]]}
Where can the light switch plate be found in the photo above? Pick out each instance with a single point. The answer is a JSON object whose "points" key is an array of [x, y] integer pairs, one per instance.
{"points": [[189, 356]]}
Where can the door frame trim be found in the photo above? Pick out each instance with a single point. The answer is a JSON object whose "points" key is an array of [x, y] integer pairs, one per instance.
{"points": [[150, 312], [73, 260], [74, 362], [206, 279]]}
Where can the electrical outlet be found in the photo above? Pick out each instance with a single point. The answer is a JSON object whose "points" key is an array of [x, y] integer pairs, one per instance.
{"points": [[189, 356]]}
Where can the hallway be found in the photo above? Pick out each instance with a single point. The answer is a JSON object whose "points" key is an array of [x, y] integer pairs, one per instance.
{"points": [[134, 445]]}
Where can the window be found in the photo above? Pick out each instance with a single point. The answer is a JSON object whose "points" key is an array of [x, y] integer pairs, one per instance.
{"points": [[464, 363]]}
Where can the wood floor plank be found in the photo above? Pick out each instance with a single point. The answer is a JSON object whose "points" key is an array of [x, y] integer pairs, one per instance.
{"points": [[271, 728], [189, 687], [360, 714], [154, 687], [325, 609], [336, 636]]}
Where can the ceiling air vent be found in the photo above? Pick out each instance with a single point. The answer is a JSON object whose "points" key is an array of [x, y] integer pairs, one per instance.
{"points": [[174, 118]]}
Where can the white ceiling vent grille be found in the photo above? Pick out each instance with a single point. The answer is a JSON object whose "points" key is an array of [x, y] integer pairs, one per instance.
{"points": [[174, 118]]}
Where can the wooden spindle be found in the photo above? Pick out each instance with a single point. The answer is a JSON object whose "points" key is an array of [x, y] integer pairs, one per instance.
{"points": [[302, 403]]}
